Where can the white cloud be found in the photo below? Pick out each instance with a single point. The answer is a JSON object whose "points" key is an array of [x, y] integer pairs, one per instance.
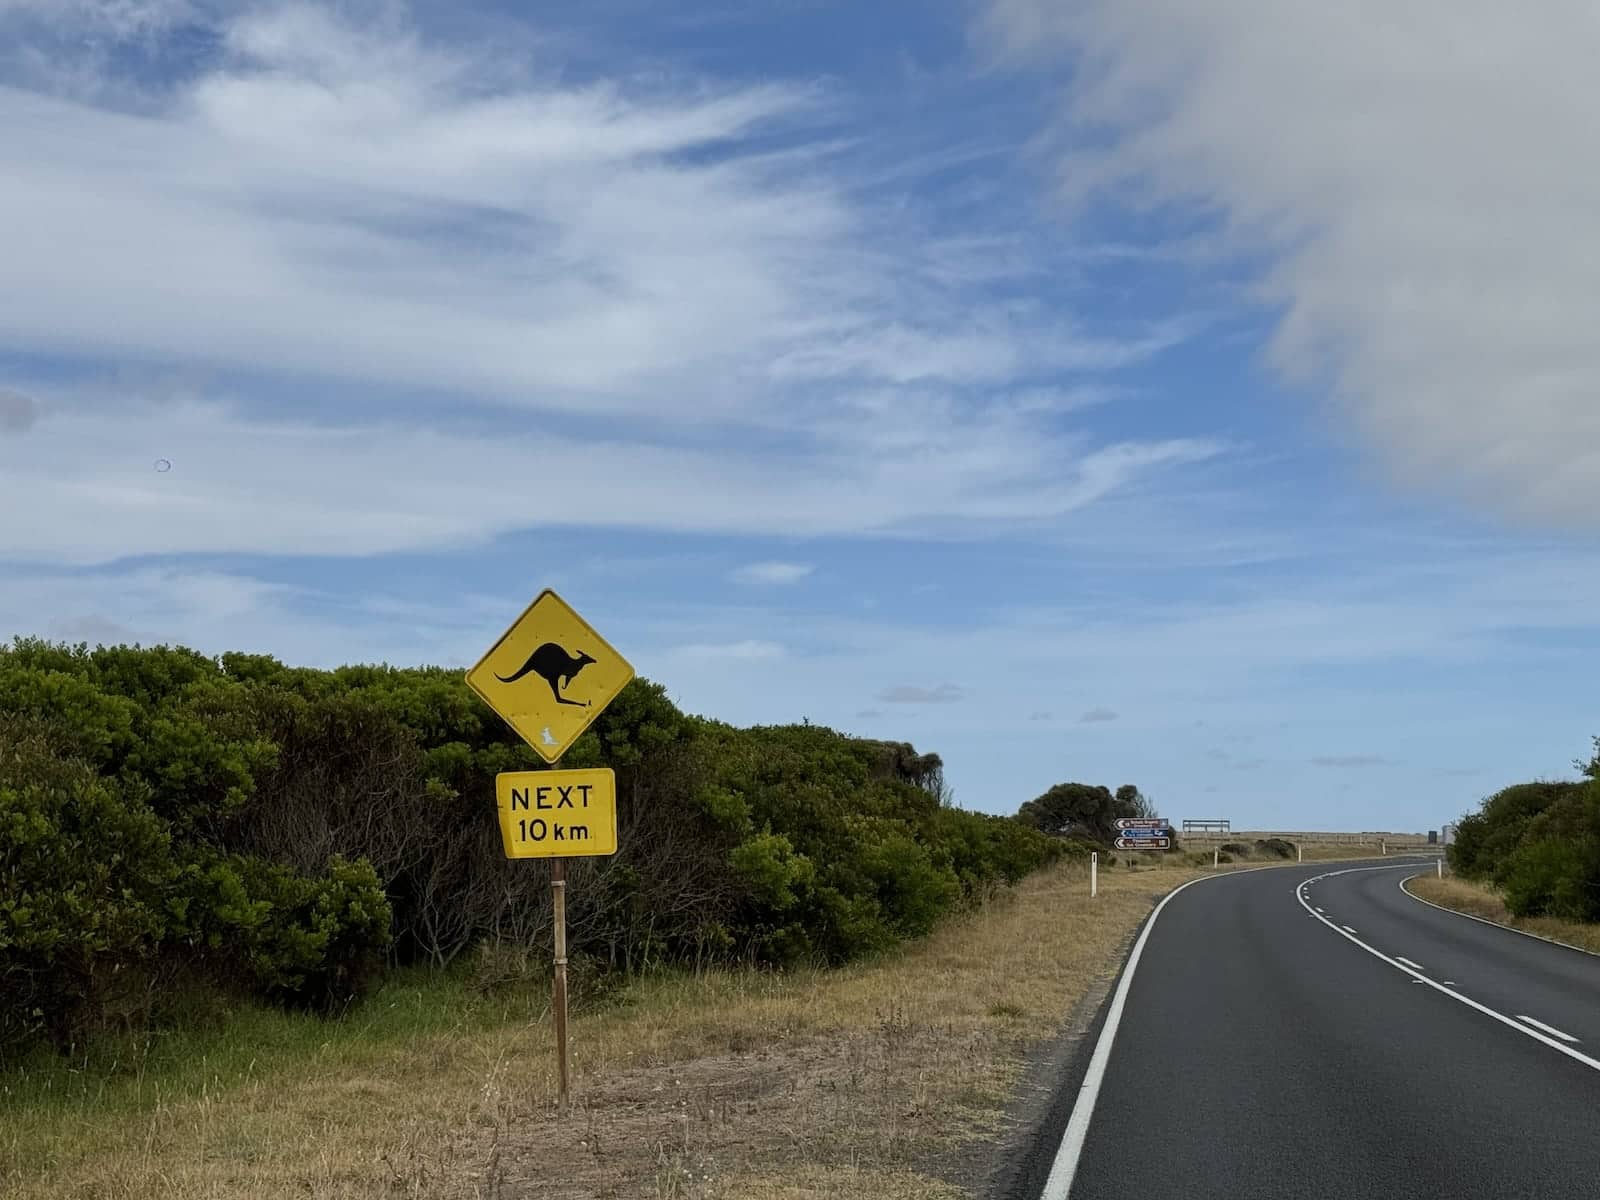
{"points": [[245, 484], [1095, 716], [772, 572], [1348, 762], [364, 204], [458, 268], [118, 19], [905, 693], [17, 411], [1423, 191], [749, 649]]}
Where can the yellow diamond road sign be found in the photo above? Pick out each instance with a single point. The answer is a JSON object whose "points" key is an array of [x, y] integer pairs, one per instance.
{"points": [[550, 675]]}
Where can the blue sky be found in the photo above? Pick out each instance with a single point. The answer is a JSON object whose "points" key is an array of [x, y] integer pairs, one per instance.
{"points": [[1196, 396]]}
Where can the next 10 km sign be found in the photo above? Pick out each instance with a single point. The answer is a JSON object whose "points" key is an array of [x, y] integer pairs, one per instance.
{"points": [[557, 814]]}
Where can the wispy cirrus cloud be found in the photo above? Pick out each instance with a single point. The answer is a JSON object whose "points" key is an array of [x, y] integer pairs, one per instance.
{"points": [[438, 263], [771, 573], [743, 650], [1346, 762], [905, 693]]}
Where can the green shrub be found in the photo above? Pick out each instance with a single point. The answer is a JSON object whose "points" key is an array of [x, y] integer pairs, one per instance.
{"points": [[283, 832], [1486, 840], [1545, 879], [84, 873]]}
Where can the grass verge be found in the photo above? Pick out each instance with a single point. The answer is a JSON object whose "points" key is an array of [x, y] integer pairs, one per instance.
{"points": [[1481, 900], [863, 1081]]}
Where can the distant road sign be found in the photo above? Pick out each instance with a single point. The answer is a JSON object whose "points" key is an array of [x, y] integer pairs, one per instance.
{"points": [[557, 814], [549, 675], [1146, 833], [1145, 843], [1143, 823]]}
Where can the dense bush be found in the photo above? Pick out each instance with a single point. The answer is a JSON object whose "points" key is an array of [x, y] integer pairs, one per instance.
{"points": [[1550, 877], [1485, 840], [1540, 843], [286, 832]]}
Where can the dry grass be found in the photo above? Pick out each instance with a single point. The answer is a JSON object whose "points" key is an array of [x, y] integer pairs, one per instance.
{"points": [[861, 1082], [1480, 900]]}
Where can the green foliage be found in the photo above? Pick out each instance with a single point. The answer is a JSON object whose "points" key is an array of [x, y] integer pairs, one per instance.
{"points": [[255, 829], [84, 872], [1540, 844], [1485, 840], [773, 875], [1546, 879], [1082, 810]]}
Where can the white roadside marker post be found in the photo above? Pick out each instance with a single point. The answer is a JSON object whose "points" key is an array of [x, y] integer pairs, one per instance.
{"points": [[1299, 852], [1440, 867], [1216, 857], [1094, 873]]}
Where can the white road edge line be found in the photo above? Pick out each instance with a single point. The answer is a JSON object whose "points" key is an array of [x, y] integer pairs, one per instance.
{"points": [[1418, 966], [1065, 1165], [1485, 920], [1550, 1029], [1509, 1022]]}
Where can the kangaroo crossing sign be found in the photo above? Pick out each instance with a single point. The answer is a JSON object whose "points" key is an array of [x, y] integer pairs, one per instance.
{"points": [[549, 676]]}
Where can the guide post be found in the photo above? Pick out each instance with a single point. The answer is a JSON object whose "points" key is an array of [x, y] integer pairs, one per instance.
{"points": [[530, 678]]}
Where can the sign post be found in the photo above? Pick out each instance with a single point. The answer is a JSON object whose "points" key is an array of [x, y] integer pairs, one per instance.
{"points": [[530, 677], [558, 1002], [1094, 873]]}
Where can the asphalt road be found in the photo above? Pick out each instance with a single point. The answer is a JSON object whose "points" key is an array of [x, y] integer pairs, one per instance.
{"points": [[1302, 1031]]}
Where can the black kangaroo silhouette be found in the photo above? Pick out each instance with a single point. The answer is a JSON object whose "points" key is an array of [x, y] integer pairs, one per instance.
{"points": [[556, 667]]}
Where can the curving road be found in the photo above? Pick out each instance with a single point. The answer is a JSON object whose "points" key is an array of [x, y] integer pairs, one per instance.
{"points": [[1315, 1031]]}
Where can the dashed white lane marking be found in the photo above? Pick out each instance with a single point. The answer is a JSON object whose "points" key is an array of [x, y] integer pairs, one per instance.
{"points": [[1550, 1029], [1347, 928], [1509, 1022], [1409, 963]]}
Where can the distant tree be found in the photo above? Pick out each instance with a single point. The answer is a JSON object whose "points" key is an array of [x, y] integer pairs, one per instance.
{"points": [[1135, 801], [1074, 809], [1592, 767]]}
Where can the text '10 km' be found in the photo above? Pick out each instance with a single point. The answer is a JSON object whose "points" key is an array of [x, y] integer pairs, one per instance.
{"points": [[557, 814]]}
